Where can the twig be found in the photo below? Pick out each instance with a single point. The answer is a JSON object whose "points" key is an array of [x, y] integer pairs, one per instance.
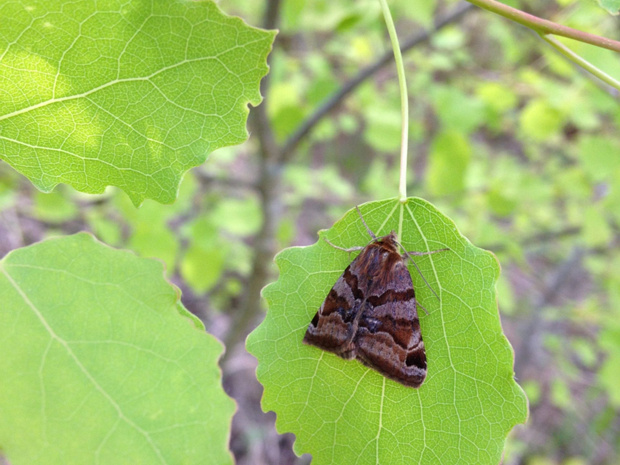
{"points": [[268, 187], [544, 26], [230, 182], [533, 329], [585, 64], [540, 238]]}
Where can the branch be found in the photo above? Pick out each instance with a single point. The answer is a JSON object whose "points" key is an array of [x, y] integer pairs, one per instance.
{"points": [[258, 116], [268, 184], [543, 26], [537, 239], [585, 64], [534, 328], [333, 100]]}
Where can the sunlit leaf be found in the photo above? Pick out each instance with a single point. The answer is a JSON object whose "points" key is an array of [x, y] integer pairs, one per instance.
{"points": [[342, 412], [127, 94]]}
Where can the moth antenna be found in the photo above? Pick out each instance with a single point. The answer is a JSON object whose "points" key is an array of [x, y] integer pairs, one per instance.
{"points": [[372, 234]]}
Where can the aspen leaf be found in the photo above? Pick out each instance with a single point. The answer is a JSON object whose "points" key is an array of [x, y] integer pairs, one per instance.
{"points": [[102, 364], [125, 94], [343, 412]]}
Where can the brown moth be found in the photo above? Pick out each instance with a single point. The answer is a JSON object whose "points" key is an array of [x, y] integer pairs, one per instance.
{"points": [[371, 313]]}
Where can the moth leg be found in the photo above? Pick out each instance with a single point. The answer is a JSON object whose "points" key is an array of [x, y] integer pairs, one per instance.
{"points": [[352, 249], [409, 254], [418, 304]]}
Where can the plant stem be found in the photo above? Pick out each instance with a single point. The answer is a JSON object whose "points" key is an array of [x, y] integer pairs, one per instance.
{"points": [[404, 99], [543, 26], [568, 53]]}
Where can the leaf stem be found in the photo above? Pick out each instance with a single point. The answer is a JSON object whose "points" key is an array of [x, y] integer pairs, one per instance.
{"points": [[404, 99], [568, 53]]}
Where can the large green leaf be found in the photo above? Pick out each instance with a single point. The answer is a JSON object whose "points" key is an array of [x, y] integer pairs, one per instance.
{"points": [[343, 412], [126, 94], [102, 364]]}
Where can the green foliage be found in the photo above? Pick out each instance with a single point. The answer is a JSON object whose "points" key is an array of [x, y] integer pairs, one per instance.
{"points": [[449, 159], [204, 259], [506, 137], [458, 111], [343, 412], [56, 207], [610, 340], [612, 6], [599, 157], [540, 121], [105, 365], [130, 95]]}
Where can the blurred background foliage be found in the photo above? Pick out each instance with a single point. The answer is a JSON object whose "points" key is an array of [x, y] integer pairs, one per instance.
{"points": [[519, 147]]}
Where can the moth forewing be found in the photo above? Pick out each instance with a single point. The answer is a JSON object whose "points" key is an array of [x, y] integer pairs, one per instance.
{"points": [[371, 314]]}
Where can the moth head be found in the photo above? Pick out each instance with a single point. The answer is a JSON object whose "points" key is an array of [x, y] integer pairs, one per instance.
{"points": [[389, 242]]}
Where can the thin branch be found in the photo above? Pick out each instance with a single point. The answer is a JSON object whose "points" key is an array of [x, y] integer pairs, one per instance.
{"points": [[585, 64], [268, 185], [259, 119], [534, 327], [332, 101], [229, 182], [543, 26], [537, 239]]}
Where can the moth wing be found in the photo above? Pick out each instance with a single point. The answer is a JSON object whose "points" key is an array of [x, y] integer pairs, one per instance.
{"points": [[388, 338], [332, 326]]}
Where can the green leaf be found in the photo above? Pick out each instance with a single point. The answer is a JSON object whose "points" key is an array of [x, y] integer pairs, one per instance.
{"points": [[596, 229], [383, 127], [156, 242], [560, 394], [123, 94], [343, 412], [241, 217], [456, 110], [54, 207], [533, 391], [611, 6], [539, 120], [202, 267], [105, 364], [608, 375], [599, 156], [205, 257], [448, 163]]}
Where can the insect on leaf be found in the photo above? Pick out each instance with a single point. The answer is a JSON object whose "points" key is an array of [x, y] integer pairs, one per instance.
{"points": [[344, 412]]}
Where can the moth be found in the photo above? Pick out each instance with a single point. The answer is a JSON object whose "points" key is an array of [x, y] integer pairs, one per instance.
{"points": [[371, 313]]}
